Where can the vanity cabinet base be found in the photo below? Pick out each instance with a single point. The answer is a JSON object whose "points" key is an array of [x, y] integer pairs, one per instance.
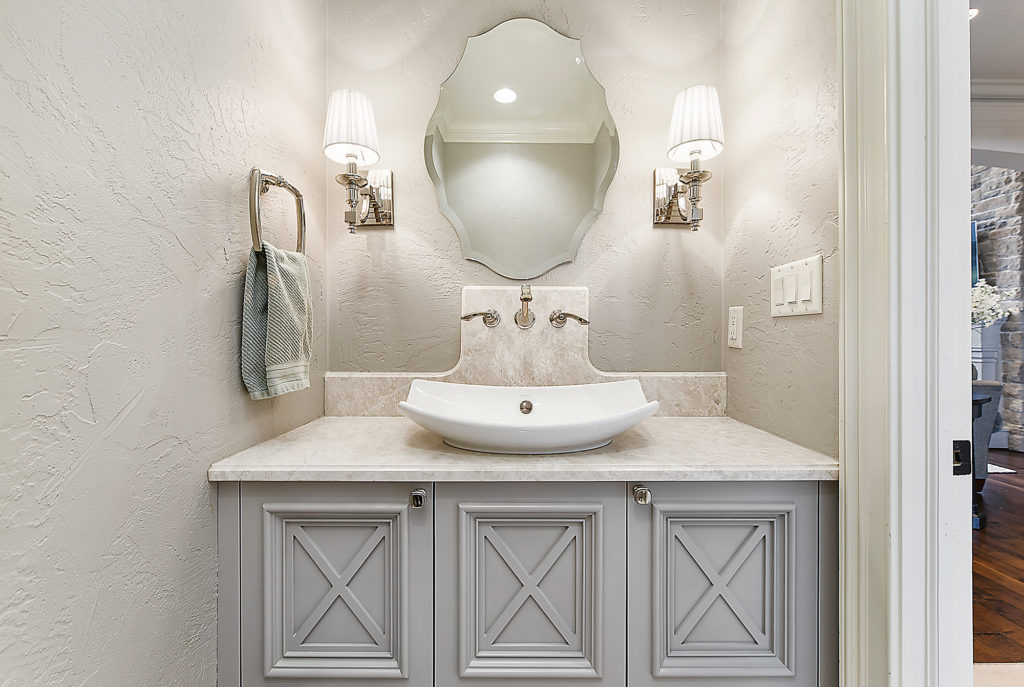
{"points": [[527, 584]]}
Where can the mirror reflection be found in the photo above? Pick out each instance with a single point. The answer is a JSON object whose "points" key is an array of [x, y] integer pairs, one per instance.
{"points": [[521, 148]]}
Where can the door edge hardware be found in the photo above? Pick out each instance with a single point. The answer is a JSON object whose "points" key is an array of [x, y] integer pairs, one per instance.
{"points": [[963, 458]]}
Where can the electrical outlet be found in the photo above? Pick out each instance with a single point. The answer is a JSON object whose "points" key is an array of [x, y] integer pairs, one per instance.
{"points": [[736, 326]]}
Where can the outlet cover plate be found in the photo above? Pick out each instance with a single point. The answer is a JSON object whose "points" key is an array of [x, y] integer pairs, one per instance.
{"points": [[735, 335], [796, 288]]}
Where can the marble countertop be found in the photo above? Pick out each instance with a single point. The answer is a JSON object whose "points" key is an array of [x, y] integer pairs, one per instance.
{"points": [[376, 449]]}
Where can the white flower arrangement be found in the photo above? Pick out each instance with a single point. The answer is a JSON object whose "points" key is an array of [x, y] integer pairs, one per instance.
{"points": [[986, 304]]}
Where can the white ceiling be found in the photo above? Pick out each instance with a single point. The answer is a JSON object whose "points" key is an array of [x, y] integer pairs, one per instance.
{"points": [[997, 40]]}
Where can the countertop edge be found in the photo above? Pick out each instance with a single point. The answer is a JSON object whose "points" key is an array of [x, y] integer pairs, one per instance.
{"points": [[626, 474], [307, 455]]}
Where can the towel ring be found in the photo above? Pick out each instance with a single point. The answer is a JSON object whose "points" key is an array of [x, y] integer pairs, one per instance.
{"points": [[259, 183]]}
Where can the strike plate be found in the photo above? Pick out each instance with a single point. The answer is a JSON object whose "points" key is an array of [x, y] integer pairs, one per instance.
{"points": [[963, 459]]}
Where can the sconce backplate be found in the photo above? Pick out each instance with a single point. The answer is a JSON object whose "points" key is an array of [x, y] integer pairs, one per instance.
{"points": [[376, 206], [670, 203]]}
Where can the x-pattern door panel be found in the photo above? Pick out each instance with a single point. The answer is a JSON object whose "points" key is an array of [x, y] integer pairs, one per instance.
{"points": [[538, 596], [719, 589], [722, 588], [530, 542], [756, 542], [574, 540], [337, 583], [346, 608]]}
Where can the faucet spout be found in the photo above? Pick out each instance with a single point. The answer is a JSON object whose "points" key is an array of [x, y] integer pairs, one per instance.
{"points": [[524, 318]]}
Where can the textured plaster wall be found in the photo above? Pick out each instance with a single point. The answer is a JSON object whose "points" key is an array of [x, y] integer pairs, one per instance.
{"points": [[395, 293], [127, 132], [782, 157]]}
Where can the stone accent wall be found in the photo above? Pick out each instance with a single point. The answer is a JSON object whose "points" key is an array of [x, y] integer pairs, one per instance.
{"points": [[997, 198]]}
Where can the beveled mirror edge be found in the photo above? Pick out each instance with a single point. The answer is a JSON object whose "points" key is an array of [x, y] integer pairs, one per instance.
{"points": [[588, 220]]}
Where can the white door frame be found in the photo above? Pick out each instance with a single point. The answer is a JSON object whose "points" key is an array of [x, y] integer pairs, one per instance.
{"points": [[905, 335]]}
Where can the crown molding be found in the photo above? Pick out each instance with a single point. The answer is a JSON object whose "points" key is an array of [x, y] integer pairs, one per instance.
{"points": [[997, 89]]}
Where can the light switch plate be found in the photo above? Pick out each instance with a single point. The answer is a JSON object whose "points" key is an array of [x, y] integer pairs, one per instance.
{"points": [[736, 326], [796, 288]]}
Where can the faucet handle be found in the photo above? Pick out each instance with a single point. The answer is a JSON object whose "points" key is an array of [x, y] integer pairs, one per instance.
{"points": [[559, 318], [491, 317]]}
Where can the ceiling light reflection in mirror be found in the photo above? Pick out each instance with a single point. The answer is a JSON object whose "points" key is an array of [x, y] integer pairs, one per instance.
{"points": [[505, 95]]}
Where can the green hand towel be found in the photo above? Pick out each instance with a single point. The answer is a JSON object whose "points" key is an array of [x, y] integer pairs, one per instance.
{"points": [[277, 323]]}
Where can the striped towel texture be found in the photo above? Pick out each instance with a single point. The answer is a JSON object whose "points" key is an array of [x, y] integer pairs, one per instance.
{"points": [[277, 323]]}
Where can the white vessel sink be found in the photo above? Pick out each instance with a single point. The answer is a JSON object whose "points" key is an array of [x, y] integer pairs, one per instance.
{"points": [[494, 419]]}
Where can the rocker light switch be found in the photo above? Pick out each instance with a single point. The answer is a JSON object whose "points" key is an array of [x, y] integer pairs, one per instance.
{"points": [[796, 288], [804, 287], [789, 288], [777, 296]]}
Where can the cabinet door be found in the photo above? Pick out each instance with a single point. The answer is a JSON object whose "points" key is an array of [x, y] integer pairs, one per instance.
{"points": [[336, 585], [530, 584], [723, 583]]}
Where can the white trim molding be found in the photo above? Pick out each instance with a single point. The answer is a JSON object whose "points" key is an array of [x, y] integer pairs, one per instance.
{"points": [[930, 122], [905, 538], [864, 333]]}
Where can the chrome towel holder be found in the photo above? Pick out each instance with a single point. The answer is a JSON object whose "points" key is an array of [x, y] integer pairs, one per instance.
{"points": [[259, 183]]}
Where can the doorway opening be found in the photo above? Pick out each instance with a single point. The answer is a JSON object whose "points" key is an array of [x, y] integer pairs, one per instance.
{"points": [[997, 228]]}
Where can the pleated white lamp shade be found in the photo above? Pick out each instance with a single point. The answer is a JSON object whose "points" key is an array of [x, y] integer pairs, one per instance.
{"points": [[696, 127], [350, 134]]}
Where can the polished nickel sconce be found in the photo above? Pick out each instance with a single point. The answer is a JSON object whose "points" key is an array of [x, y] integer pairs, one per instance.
{"points": [[370, 198], [350, 137], [695, 134]]}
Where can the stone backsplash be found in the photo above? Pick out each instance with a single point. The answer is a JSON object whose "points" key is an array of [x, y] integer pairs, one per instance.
{"points": [[542, 355], [997, 205]]}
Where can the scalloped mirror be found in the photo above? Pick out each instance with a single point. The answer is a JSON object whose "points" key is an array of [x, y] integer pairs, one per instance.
{"points": [[521, 148]]}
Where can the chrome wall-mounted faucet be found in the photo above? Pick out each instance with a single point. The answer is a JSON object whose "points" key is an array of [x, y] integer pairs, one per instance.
{"points": [[491, 318], [524, 318], [559, 318]]}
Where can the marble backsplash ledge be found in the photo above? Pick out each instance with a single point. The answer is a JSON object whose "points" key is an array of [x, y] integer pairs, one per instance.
{"points": [[370, 394], [539, 356]]}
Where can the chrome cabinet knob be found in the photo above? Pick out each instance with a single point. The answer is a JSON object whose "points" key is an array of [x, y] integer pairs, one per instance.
{"points": [[417, 498], [641, 494]]}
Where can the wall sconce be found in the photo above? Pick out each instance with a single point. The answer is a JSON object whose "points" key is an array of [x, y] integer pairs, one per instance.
{"points": [[350, 137], [695, 134]]}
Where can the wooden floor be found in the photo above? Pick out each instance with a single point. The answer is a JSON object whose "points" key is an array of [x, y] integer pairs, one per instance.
{"points": [[999, 566]]}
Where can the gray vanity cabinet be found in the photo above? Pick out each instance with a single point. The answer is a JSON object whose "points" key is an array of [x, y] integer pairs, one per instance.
{"points": [[527, 584], [335, 585], [530, 584], [724, 586]]}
